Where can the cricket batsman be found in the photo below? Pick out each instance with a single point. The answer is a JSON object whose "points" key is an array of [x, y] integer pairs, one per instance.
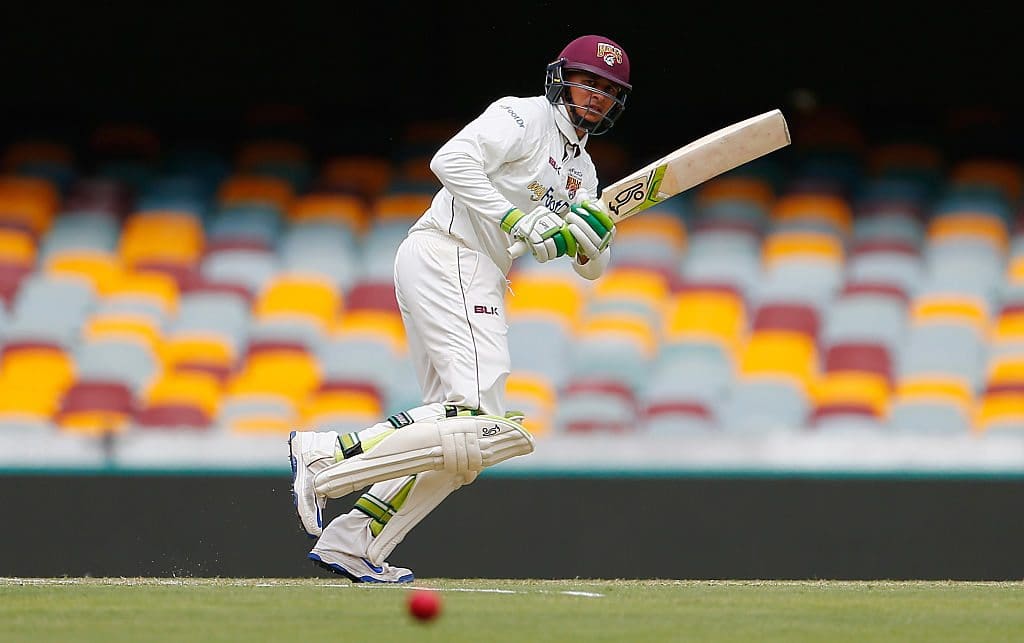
{"points": [[518, 171]]}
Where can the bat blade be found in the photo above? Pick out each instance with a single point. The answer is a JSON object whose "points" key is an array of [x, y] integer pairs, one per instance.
{"points": [[696, 162], [689, 166]]}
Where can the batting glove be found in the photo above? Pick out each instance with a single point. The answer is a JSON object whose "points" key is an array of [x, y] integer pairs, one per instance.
{"points": [[591, 227], [542, 230]]}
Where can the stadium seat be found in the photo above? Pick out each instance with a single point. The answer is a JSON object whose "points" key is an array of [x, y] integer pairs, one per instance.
{"points": [[587, 406], [365, 175], [49, 308], [931, 404], [615, 347], [656, 240], [677, 419], [33, 379], [118, 359], [342, 405], [867, 312], [763, 404], [28, 203], [895, 263], [540, 347], [251, 189], [177, 399], [259, 223], [320, 248], [96, 407], [82, 231], [310, 299], [536, 397], [145, 235], [248, 267], [346, 210]]}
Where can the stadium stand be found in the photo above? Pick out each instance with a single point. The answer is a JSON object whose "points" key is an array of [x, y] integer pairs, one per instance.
{"points": [[853, 288]]}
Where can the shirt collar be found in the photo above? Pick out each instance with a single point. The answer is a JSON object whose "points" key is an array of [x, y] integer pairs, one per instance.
{"points": [[566, 128]]}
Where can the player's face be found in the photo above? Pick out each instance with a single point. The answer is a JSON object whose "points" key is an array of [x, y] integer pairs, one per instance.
{"points": [[591, 104]]}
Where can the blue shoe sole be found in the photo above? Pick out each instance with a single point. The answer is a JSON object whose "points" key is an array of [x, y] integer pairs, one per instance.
{"points": [[341, 571]]}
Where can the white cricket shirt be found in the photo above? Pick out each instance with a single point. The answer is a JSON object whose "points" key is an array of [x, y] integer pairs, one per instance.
{"points": [[518, 153]]}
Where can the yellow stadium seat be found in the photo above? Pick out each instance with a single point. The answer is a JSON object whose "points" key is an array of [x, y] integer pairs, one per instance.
{"points": [[1015, 270], [706, 315], [743, 188], [999, 409], [94, 422], [121, 325], [33, 380], [29, 201], [632, 327], [298, 295], [1007, 327], [367, 175], [937, 388], [786, 355], [22, 399], [1005, 369], [373, 324], [290, 374], [779, 246], [355, 406], [546, 296], [196, 389], [158, 289], [342, 208], [663, 226], [400, 206], [168, 236], [844, 387], [102, 270], [632, 284], [263, 423], [196, 348], [17, 247], [256, 189], [834, 210], [969, 225], [534, 395], [954, 308]]}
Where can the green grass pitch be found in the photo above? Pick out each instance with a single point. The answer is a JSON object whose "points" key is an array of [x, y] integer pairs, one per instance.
{"points": [[188, 609]]}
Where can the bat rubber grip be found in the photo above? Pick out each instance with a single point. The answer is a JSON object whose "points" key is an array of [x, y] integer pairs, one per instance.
{"points": [[518, 249]]}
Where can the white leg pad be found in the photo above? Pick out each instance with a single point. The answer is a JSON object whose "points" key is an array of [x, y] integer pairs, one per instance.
{"points": [[429, 489], [459, 445]]}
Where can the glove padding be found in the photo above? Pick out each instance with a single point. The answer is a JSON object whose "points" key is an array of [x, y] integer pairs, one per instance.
{"points": [[543, 230], [591, 227]]}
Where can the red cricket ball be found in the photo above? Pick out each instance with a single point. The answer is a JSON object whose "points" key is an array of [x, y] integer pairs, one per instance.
{"points": [[424, 604]]}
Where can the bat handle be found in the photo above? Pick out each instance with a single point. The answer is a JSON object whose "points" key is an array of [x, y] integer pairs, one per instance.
{"points": [[518, 249]]}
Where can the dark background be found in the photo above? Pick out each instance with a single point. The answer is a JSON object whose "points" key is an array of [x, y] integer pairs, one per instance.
{"points": [[747, 527], [361, 71]]}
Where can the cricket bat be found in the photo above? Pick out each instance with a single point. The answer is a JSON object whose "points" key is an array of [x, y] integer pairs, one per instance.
{"points": [[690, 165]]}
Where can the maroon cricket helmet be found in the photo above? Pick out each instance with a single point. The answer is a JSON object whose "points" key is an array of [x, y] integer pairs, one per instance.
{"points": [[598, 55]]}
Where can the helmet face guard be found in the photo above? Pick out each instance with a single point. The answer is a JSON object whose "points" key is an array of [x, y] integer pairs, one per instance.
{"points": [[556, 88], [598, 56]]}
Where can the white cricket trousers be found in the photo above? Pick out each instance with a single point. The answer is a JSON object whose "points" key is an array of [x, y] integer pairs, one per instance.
{"points": [[452, 303]]}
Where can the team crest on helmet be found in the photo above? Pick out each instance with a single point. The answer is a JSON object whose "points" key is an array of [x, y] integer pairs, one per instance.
{"points": [[571, 185], [610, 54]]}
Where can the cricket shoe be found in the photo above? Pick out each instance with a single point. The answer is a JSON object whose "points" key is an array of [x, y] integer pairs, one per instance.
{"points": [[359, 570], [310, 452]]}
